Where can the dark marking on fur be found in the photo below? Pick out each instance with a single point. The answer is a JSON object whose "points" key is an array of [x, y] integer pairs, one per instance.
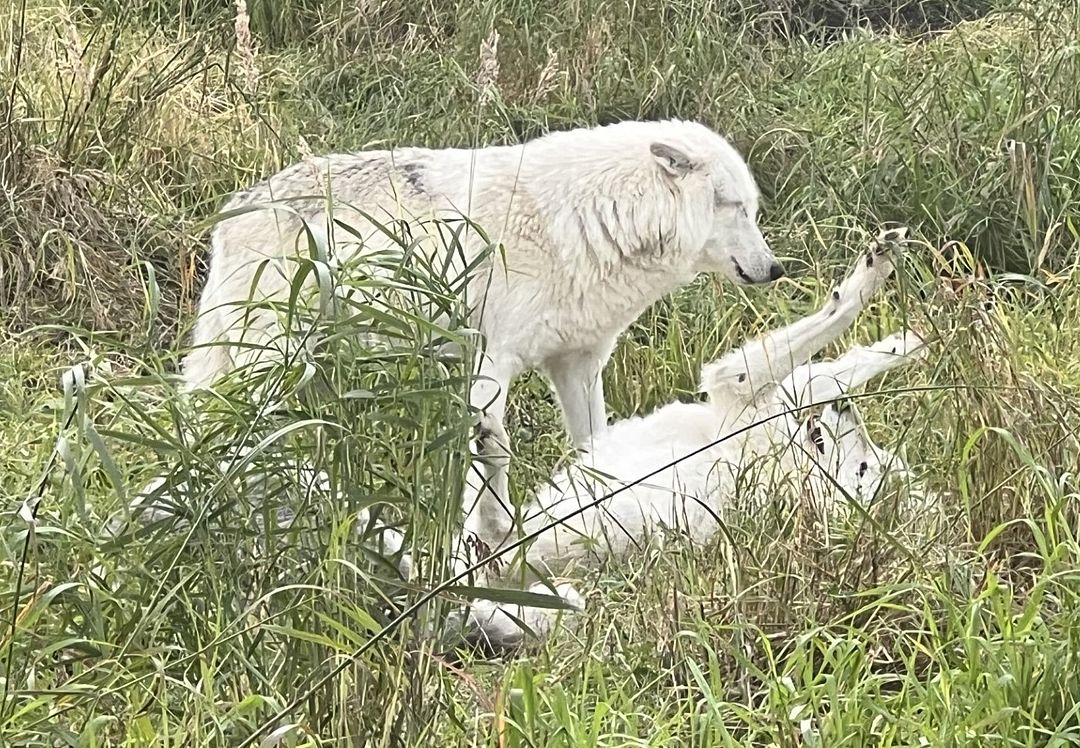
{"points": [[863, 467], [585, 238], [742, 377], [836, 296], [869, 259], [607, 232], [353, 169], [414, 176]]}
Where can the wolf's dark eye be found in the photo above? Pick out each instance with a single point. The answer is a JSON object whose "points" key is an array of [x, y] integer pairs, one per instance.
{"points": [[863, 467], [723, 202]]}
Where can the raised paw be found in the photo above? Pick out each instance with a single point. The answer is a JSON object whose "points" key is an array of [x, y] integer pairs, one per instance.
{"points": [[908, 344], [867, 277], [913, 345], [887, 241], [893, 236]]}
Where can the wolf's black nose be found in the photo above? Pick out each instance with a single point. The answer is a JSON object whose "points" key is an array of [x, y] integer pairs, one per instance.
{"points": [[776, 271]]}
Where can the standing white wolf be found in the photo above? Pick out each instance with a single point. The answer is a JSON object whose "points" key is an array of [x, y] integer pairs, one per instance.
{"points": [[594, 226]]}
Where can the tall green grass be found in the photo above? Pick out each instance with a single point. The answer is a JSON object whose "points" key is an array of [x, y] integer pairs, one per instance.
{"points": [[122, 127]]}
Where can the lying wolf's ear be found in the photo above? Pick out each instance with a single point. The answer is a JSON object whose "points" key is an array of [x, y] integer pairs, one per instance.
{"points": [[813, 431], [672, 160]]}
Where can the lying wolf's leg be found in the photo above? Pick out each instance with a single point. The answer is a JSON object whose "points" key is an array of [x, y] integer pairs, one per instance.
{"points": [[824, 381], [769, 360]]}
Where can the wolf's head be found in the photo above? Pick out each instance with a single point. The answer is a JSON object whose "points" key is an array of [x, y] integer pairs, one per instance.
{"points": [[715, 179], [840, 445]]}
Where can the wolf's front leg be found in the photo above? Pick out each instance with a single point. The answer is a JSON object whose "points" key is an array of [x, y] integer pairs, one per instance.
{"points": [[579, 384], [489, 511], [825, 381], [769, 360]]}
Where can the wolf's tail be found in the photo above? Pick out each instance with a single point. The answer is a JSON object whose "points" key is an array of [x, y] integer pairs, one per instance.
{"points": [[209, 357]]}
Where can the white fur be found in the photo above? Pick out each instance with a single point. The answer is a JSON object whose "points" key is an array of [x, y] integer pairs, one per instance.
{"points": [[594, 226], [744, 441]]}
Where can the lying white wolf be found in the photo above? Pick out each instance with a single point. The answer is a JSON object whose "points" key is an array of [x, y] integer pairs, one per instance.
{"points": [[594, 225], [697, 458]]}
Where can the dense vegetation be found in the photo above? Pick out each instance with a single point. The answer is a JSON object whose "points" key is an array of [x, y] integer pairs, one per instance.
{"points": [[122, 126]]}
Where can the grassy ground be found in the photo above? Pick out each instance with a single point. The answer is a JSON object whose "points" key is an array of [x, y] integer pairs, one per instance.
{"points": [[122, 126]]}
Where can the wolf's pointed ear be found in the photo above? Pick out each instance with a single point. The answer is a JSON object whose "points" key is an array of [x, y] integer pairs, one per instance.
{"points": [[813, 432], [671, 159]]}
